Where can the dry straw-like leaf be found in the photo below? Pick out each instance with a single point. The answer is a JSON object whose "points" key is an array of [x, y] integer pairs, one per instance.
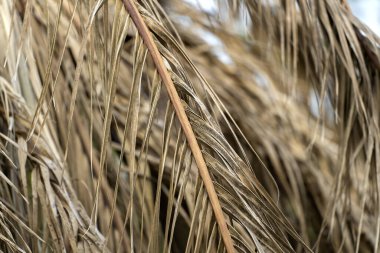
{"points": [[156, 126]]}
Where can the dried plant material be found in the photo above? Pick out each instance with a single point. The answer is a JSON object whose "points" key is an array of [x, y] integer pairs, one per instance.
{"points": [[157, 126]]}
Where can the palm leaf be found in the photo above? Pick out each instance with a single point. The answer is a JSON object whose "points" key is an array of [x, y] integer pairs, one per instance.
{"points": [[122, 129]]}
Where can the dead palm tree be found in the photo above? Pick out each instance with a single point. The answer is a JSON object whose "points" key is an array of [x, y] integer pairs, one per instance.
{"points": [[156, 126]]}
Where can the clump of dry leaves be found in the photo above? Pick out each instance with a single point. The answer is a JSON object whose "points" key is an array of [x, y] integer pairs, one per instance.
{"points": [[281, 97]]}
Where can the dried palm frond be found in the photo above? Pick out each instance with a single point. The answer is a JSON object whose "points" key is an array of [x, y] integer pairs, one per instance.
{"points": [[123, 129]]}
